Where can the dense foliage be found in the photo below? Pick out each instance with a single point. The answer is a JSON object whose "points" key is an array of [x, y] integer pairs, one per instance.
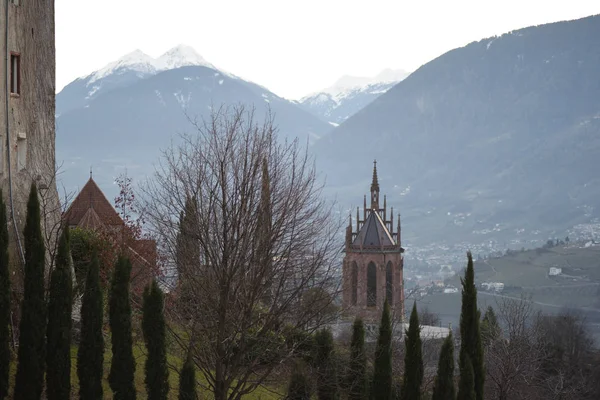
{"points": [[58, 358], [466, 385], [443, 386], [122, 368], [381, 388], [471, 347], [300, 387], [357, 369], [29, 381], [187, 381], [153, 325], [90, 356], [327, 384], [413, 359]]}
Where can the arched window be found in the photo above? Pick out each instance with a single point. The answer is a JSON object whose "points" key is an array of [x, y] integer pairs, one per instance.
{"points": [[371, 285], [354, 283], [389, 283]]}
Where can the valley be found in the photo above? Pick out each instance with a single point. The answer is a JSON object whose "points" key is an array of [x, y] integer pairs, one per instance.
{"points": [[476, 150]]}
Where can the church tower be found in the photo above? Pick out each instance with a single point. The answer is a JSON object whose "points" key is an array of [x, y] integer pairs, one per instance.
{"points": [[373, 262]]}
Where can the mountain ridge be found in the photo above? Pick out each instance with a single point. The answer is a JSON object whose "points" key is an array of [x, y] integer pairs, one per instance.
{"points": [[490, 139], [349, 94]]}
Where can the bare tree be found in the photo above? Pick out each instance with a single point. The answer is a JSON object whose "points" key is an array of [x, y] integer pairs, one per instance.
{"points": [[260, 247], [569, 351], [514, 358]]}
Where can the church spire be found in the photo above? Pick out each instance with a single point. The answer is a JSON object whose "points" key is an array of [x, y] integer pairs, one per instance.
{"points": [[375, 189]]}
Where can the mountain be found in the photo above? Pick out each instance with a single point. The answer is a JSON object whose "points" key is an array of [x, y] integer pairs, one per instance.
{"points": [[139, 104], [495, 144], [350, 94], [128, 69]]}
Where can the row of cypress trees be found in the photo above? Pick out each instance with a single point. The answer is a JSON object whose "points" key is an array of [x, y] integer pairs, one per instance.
{"points": [[472, 373], [45, 327]]}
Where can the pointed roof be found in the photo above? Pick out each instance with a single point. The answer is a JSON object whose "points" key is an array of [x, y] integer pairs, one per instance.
{"points": [[373, 233], [375, 182], [91, 207], [90, 220]]}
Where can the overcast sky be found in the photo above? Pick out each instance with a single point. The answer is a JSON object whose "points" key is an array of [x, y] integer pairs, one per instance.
{"points": [[291, 47]]}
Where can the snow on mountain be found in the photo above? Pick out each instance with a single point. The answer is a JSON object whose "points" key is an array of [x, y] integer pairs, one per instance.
{"points": [[140, 62], [181, 56], [350, 94], [126, 71], [137, 60], [348, 83]]}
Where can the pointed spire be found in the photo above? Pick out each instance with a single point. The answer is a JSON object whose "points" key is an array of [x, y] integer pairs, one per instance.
{"points": [[375, 189], [90, 172], [357, 221], [365, 208], [375, 182]]}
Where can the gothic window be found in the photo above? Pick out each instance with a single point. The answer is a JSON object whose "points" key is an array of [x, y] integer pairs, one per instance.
{"points": [[371, 285], [354, 277], [389, 283]]}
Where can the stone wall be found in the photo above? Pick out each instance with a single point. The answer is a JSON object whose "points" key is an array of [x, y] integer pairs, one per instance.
{"points": [[29, 117], [380, 260]]}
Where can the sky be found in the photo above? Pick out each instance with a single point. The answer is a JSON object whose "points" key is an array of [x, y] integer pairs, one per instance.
{"points": [[291, 47]]}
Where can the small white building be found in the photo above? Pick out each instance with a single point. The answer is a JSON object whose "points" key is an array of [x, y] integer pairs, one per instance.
{"points": [[555, 271], [493, 286], [450, 289]]}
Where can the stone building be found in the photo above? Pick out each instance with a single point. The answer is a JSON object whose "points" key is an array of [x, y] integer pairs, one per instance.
{"points": [[373, 262], [27, 107]]}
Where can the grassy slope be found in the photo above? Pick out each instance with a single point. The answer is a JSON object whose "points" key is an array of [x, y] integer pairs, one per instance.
{"points": [[140, 357], [526, 273]]}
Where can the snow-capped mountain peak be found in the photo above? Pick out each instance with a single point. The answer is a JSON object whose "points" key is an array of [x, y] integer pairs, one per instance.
{"points": [[181, 56], [136, 60], [349, 94], [144, 65], [348, 83]]}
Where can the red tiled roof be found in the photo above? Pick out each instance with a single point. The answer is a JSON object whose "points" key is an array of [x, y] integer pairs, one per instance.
{"points": [[90, 220], [91, 197]]}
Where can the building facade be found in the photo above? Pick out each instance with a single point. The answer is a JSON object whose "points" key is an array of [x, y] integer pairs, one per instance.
{"points": [[373, 262], [27, 107]]}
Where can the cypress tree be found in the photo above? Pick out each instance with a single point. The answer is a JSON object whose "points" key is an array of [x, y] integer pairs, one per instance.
{"points": [[90, 355], [413, 359], [466, 386], [29, 381], [122, 368], [443, 386], [299, 388], [187, 256], [490, 329], [153, 325], [471, 348], [187, 380], [357, 376], [58, 358], [381, 388], [327, 385], [4, 301]]}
